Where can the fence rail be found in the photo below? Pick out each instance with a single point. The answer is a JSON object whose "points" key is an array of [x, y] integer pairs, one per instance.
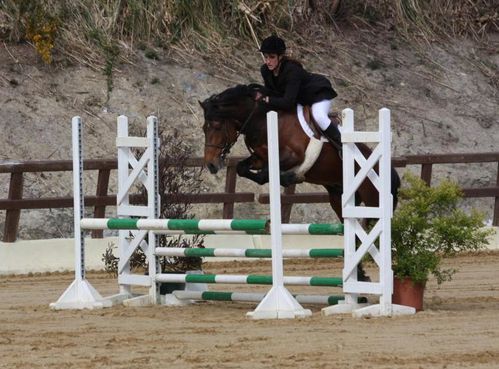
{"points": [[15, 202]]}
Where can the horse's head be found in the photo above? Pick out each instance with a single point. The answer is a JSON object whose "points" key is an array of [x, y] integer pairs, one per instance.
{"points": [[220, 134], [225, 116]]}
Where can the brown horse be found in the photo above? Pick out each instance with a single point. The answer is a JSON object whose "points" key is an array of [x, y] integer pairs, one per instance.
{"points": [[234, 112]]}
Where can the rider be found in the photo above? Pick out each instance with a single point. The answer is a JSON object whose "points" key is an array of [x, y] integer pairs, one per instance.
{"points": [[288, 83]]}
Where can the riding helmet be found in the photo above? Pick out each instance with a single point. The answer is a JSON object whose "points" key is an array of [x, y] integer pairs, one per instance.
{"points": [[273, 45]]}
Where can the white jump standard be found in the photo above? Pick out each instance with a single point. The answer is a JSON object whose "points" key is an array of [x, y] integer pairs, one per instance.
{"points": [[352, 215], [80, 294]]}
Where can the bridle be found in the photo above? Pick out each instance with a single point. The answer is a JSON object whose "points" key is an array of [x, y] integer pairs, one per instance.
{"points": [[227, 146]]}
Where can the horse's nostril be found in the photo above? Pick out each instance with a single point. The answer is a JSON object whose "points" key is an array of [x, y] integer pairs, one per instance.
{"points": [[212, 168]]}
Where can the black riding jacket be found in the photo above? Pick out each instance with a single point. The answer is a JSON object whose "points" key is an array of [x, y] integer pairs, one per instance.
{"points": [[295, 85]]}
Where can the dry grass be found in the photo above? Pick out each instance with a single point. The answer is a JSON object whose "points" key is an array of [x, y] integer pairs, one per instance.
{"points": [[101, 34], [434, 19]]}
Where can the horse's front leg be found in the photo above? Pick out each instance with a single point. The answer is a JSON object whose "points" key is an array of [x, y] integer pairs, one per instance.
{"points": [[253, 169], [289, 178], [289, 162]]}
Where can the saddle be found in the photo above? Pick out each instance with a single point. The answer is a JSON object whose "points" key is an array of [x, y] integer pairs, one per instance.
{"points": [[309, 119]]}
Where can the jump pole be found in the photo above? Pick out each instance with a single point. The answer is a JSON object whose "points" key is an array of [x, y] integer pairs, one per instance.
{"points": [[207, 226], [255, 297], [278, 303]]}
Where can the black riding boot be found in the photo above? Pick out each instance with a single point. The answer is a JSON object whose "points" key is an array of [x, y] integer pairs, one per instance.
{"points": [[334, 136]]}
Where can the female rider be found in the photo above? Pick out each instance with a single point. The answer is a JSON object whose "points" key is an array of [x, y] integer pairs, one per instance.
{"points": [[288, 83]]}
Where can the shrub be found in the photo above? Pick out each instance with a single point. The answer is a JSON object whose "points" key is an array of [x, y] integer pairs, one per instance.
{"points": [[428, 226]]}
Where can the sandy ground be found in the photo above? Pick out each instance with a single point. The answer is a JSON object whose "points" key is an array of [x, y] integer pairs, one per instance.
{"points": [[459, 327]]}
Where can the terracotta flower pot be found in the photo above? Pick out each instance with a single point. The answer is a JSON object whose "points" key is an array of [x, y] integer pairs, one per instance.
{"points": [[407, 293]]}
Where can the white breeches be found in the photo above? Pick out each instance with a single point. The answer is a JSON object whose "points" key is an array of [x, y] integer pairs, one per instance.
{"points": [[320, 111]]}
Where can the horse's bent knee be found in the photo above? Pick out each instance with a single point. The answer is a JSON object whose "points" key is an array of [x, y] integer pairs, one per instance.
{"points": [[290, 178], [242, 169]]}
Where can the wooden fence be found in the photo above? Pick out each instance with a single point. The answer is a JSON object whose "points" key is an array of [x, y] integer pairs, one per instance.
{"points": [[15, 201]]}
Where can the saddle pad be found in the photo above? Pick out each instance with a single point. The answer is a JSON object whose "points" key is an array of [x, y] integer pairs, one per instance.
{"points": [[304, 125]]}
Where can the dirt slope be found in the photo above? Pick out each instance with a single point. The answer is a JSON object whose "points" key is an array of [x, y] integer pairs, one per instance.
{"points": [[443, 99]]}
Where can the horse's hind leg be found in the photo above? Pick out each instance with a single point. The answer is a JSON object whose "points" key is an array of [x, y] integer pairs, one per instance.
{"points": [[335, 192]]}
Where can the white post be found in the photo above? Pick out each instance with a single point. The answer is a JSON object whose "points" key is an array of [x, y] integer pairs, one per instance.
{"points": [[80, 294], [153, 202], [348, 201], [386, 208], [78, 200], [278, 302], [123, 242], [275, 200]]}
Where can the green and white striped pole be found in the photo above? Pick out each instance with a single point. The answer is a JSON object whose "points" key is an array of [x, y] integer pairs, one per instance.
{"points": [[190, 226], [208, 226], [257, 297], [247, 253], [248, 279]]}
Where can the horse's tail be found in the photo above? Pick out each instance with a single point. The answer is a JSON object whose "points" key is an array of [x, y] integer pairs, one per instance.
{"points": [[395, 187]]}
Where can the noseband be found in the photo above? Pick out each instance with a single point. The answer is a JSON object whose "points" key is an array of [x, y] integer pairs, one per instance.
{"points": [[228, 145]]}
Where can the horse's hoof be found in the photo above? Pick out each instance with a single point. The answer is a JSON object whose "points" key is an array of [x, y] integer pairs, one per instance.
{"points": [[362, 276], [288, 179], [365, 278]]}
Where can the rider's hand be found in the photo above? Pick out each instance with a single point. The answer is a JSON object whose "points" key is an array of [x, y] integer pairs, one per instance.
{"points": [[261, 97]]}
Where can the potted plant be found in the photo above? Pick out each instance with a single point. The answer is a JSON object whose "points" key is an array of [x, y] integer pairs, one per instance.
{"points": [[427, 227]]}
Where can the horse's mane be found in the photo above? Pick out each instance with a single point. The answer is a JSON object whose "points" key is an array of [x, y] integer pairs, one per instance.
{"points": [[216, 105], [230, 95]]}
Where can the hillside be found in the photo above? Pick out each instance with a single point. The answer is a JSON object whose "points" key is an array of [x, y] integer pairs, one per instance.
{"points": [[443, 97]]}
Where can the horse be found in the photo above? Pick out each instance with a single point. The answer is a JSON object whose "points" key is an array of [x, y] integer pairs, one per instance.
{"points": [[234, 111]]}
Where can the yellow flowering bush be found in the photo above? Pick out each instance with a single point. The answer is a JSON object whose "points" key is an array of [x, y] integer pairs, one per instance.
{"points": [[43, 38]]}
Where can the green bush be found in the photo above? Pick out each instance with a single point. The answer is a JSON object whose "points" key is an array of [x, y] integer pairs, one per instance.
{"points": [[428, 226]]}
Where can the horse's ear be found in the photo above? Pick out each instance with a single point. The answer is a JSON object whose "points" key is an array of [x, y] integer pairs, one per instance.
{"points": [[202, 104], [253, 88]]}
